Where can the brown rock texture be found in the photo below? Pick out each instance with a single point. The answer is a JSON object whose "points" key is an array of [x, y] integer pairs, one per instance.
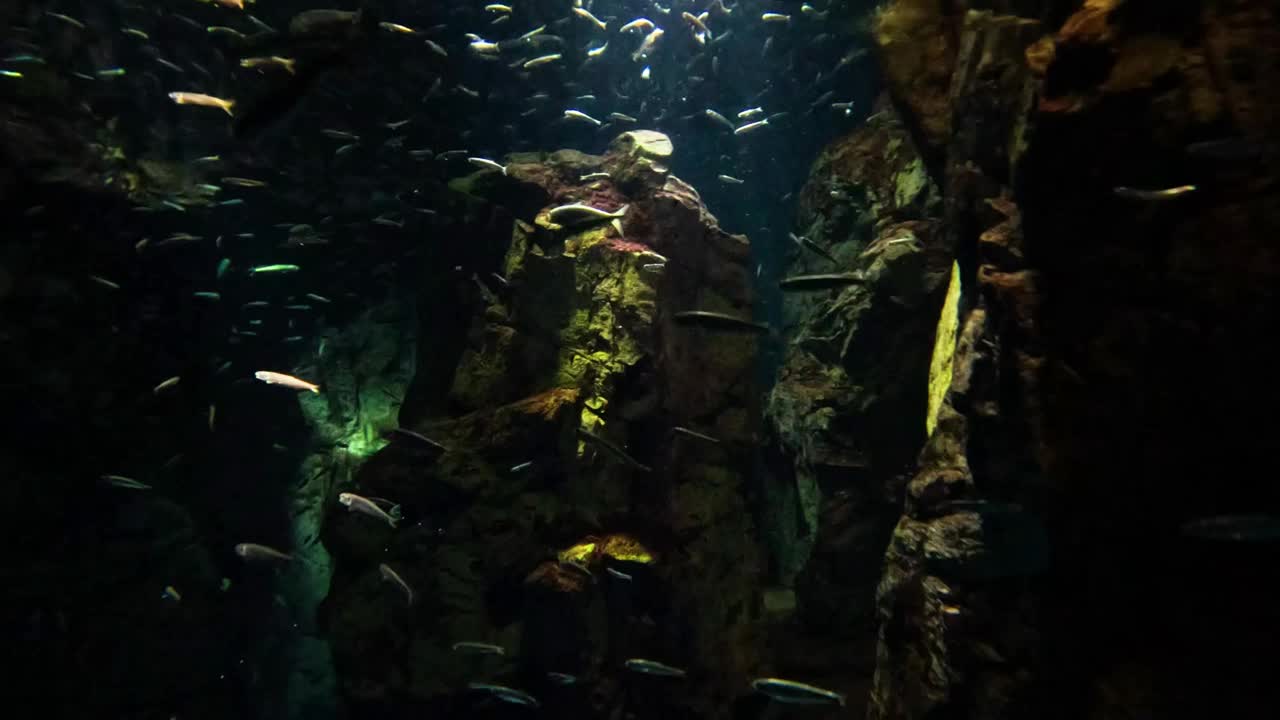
{"points": [[847, 409], [1108, 382], [522, 532]]}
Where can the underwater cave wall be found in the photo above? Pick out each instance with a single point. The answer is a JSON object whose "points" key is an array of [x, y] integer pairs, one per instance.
{"points": [[559, 511], [1108, 384]]}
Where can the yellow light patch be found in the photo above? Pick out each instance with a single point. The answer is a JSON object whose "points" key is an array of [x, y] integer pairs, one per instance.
{"points": [[944, 351], [582, 553], [627, 548]]}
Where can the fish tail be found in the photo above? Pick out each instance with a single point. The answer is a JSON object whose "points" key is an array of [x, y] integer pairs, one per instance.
{"points": [[315, 389], [228, 106]]}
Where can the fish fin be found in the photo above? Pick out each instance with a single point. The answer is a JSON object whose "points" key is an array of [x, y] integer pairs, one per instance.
{"points": [[230, 104], [315, 389]]}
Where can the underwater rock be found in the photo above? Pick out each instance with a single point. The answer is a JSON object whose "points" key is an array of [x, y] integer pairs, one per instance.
{"points": [[944, 563], [916, 43], [639, 158], [578, 337], [1084, 396], [846, 417]]}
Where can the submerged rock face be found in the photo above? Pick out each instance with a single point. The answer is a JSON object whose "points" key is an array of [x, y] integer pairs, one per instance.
{"points": [[849, 399], [1102, 339], [559, 434], [848, 406]]}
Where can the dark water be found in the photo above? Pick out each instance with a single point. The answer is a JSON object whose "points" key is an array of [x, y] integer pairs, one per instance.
{"points": [[130, 603], [566, 502]]}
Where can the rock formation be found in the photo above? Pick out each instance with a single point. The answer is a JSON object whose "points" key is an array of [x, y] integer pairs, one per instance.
{"points": [[1100, 339], [572, 358]]}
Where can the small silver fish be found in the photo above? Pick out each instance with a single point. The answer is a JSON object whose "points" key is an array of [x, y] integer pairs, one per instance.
{"points": [[366, 506], [543, 60], [478, 648], [253, 552], [796, 693], [586, 14], [502, 692], [578, 115], [121, 481], [391, 576], [695, 435], [487, 163], [339, 134], [749, 127], [718, 118], [647, 46], [1129, 193], [289, 381], [653, 667], [578, 213], [104, 282]]}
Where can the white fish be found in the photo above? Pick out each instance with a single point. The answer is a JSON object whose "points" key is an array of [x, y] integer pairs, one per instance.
{"points": [[542, 60], [533, 33], [577, 213], [703, 32], [750, 113], [436, 48], [771, 17], [254, 552], [190, 98], [504, 693], [729, 179], [487, 163], [394, 578], [653, 667], [289, 381], [584, 13], [363, 505], [718, 118], [792, 692], [478, 648], [650, 42], [639, 24], [166, 384], [579, 115], [750, 127], [597, 51], [121, 481]]}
